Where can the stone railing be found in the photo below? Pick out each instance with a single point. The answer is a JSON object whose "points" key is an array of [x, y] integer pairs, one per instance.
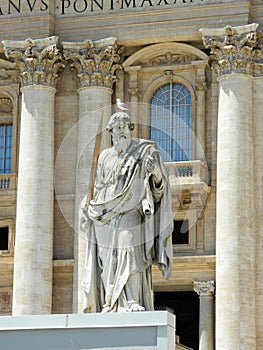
{"points": [[8, 182], [194, 169]]}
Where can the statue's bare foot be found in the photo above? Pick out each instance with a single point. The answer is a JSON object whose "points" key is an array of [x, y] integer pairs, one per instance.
{"points": [[134, 307]]}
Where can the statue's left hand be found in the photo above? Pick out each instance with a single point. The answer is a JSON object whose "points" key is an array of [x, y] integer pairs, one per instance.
{"points": [[152, 166]]}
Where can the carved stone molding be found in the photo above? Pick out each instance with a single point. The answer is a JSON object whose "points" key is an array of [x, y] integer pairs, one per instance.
{"points": [[134, 91], [5, 301], [6, 104], [235, 49], [169, 59], [204, 288], [5, 101], [200, 83], [7, 71], [95, 61], [38, 61]]}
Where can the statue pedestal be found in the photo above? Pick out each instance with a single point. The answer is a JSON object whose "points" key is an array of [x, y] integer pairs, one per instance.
{"points": [[115, 331]]}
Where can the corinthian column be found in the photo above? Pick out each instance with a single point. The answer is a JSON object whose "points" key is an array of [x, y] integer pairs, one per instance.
{"points": [[95, 63], [258, 161], [205, 290], [233, 56], [38, 62]]}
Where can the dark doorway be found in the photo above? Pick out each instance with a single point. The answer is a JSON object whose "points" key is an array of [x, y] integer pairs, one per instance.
{"points": [[185, 306]]}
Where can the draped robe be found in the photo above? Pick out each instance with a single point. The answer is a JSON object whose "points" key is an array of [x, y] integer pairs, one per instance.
{"points": [[129, 226]]}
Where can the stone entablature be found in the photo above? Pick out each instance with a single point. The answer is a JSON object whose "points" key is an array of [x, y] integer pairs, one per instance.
{"points": [[235, 50]]}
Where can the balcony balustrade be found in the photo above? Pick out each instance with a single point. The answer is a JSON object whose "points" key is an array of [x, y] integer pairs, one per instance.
{"points": [[189, 183], [8, 184]]}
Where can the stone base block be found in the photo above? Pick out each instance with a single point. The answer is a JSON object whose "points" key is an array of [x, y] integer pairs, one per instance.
{"points": [[119, 331]]}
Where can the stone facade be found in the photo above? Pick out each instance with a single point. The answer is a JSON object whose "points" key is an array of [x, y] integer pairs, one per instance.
{"points": [[63, 61]]}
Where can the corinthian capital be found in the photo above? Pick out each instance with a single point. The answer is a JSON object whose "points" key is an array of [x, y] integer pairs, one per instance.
{"points": [[95, 61], [38, 61], [235, 49], [204, 288]]}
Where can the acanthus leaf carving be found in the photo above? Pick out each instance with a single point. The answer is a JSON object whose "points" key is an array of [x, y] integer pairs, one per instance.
{"points": [[204, 288], [95, 62], [235, 50], [38, 61]]}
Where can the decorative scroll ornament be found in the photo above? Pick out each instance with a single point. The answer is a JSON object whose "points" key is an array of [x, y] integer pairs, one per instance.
{"points": [[95, 61], [38, 61], [235, 49], [204, 288]]}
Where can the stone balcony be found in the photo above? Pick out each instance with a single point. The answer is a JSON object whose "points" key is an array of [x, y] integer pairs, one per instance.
{"points": [[8, 185], [189, 184]]}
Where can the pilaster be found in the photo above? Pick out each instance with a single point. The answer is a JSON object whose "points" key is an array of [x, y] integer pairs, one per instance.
{"points": [[38, 63], [201, 88], [95, 63], [134, 92], [235, 58]]}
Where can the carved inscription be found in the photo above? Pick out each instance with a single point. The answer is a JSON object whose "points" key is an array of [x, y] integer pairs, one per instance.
{"points": [[73, 7]]}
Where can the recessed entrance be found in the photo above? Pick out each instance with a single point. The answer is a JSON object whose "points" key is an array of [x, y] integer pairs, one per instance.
{"points": [[185, 306]]}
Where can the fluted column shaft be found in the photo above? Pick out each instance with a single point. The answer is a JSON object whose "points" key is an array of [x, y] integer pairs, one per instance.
{"points": [[95, 63], [205, 290], [233, 59], [36, 61]]}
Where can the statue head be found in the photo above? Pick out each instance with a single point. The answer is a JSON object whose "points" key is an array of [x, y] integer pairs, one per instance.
{"points": [[120, 118], [120, 126]]}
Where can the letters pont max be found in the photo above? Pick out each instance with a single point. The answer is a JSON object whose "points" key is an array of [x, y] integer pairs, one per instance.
{"points": [[64, 7]]}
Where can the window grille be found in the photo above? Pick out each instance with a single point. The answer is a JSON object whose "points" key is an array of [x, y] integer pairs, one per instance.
{"points": [[171, 121], [5, 149]]}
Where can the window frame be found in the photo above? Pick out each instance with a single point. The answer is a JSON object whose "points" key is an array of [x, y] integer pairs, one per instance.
{"points": [[9, 96], [10, 224], [154, 85], [191, 216], [6, 147]]}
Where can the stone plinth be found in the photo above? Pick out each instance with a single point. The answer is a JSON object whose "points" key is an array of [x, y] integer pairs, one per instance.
{"points": [[119, 331]]}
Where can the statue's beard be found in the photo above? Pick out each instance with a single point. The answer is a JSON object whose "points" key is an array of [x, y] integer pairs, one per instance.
{"points": [[121, 144]]}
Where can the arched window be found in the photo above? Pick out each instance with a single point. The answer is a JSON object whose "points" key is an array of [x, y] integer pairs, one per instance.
{"points": [[6, 130], [171, 121]]}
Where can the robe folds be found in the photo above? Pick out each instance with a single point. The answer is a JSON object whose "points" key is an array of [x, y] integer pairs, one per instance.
{"points": [[128, 226]]}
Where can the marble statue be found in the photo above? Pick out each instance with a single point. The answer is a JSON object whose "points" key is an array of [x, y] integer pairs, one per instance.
{"points": [[128, 223]]}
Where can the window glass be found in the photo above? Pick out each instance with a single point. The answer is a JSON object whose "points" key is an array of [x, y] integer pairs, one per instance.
{"points": [[5, 149], [171, 121], [3, 238], [181, 232]]}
